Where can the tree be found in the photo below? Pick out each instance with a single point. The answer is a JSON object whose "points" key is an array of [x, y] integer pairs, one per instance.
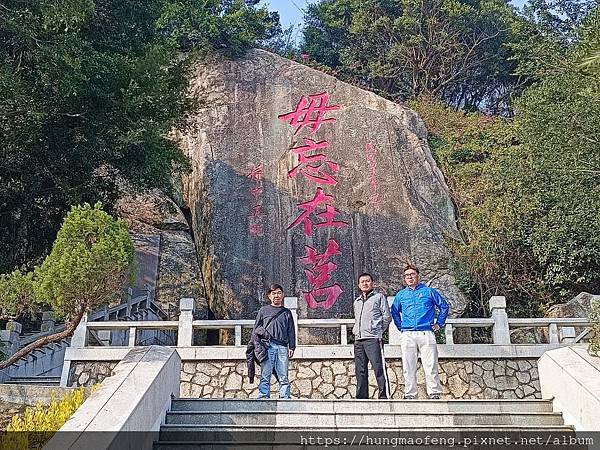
{"points": [[478, 154], [16, 295], [450, 49], [527, 189], [90, 263], [89, 92], [559, 125], [549, 29]]}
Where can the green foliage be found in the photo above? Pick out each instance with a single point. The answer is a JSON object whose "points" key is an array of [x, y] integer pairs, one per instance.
{"points": [[527, 190], [477, 154], [16, 295], [594, 346], [89, 92], [90, 261], [450, 49], [231, 26], [34, 428], [562, 169], [283, 43]]}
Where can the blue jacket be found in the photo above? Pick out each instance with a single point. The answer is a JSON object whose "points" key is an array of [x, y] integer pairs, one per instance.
{"points": [[414, 309]]}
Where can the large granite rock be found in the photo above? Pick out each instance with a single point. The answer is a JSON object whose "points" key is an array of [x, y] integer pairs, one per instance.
{"points": [[578, 306], [153, 214], [389, 203]]}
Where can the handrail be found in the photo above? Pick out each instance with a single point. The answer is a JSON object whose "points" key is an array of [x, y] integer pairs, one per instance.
{"points": [[546, 321], [140, 324], [560, 329], [134, 301], [216, 324]]}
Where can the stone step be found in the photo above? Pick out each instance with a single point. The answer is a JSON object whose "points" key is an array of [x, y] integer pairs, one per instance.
{"points": [[166, 429], [380, 420], [232, 436], [364, 439], [35, 380], [401, 406]]}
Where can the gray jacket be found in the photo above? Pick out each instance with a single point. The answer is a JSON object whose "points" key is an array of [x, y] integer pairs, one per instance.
{"points": [[371, 316]]}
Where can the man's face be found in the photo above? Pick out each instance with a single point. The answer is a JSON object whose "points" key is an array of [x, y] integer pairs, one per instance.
{"points": [[365, 284], [276, 297], [411, 278]]}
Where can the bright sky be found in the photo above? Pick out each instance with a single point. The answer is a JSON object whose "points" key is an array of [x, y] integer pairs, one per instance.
{"points": [[291, 13]]}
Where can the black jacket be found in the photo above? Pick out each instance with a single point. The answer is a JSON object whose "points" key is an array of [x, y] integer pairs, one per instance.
{"points": [[280, 324], [256, 351]]}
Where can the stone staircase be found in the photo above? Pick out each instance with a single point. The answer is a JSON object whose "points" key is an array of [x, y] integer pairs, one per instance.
{"points": [[43, 366], [228, 423], [41, 380]]}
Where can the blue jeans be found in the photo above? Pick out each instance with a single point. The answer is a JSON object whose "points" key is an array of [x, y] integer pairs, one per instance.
{"points": [[278, 360]]}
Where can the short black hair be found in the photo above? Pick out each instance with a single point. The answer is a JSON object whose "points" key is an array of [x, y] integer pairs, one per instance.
{"points": [[364, 274], [410, 266], [274, 287]]}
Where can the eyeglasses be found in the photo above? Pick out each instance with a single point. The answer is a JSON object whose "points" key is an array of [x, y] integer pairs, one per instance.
{"points": [[410, 275]]}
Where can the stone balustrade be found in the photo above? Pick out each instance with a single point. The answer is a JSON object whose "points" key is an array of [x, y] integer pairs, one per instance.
{"points": [[498, 370], [559, 330]]}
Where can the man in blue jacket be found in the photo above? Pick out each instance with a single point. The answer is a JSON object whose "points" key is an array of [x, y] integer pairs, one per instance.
{"points": [[413, 312]]}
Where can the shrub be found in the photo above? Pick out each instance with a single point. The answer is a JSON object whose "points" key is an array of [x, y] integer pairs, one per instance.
{"points": [[594, 346], [34, 428]]}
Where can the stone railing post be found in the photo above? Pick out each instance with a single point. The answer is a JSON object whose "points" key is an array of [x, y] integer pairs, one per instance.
{"points": [[449, 334], [567, 335], [79, 339], [48, 321], [500, 329], [553, 337], [291, 303], [9, 338], [129, 301], [394, 332], [237, 336], [185, 331]]}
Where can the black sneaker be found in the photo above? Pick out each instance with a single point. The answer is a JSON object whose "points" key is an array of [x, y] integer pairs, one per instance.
{"points": [[434, 397], [410, 397]]}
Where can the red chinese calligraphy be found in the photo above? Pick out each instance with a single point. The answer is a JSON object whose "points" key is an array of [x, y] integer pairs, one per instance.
{"points": [[257, 212], [256, 230], [310, 208], [256, 192], [255, 227], [311, 166], [310, 112], [256, 173], [319, 274]]}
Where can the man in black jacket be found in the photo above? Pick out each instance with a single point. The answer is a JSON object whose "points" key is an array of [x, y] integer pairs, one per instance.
{"points": [[371, 319], [278, 322]]}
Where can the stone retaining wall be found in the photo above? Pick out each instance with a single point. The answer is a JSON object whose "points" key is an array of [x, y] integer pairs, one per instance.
{"points": [[474, 378], [89, 373]]}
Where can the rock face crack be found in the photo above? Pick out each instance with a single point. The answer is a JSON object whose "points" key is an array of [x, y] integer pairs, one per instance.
{"points": [[395, 200]]}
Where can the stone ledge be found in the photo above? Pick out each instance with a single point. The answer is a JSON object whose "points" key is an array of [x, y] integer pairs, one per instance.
{"points": [[134, 398], [29, 395], [457, 351], [572, 378]]}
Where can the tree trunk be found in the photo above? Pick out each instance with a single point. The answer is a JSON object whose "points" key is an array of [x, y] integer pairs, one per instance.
{"points": [[68, 332]]}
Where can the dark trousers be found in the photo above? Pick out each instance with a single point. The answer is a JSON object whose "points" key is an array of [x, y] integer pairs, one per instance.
{"points": [[366, 350]]}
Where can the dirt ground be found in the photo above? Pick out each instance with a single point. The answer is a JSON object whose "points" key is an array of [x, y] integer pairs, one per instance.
{"points": [[7, 411]]}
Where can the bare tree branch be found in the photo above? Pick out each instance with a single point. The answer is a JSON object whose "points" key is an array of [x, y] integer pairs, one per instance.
{"points": [[68, 332]]}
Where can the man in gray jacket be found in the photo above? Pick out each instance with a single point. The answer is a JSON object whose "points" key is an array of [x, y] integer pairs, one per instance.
{"points": [[371, 319]]}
